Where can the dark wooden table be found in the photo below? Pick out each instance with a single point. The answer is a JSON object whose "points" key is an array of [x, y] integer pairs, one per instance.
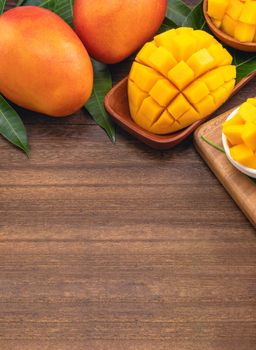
{"points": [[120, 247]]}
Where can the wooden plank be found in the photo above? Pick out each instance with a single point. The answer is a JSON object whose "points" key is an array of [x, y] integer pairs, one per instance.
{"points": [[120, 247]]}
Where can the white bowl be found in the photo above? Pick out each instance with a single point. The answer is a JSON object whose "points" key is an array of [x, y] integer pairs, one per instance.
{"points": [[247, 171]]}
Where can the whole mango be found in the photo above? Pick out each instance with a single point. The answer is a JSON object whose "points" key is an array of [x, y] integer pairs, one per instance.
{"points": [[236, 18], [181, 77], [44, 66], [112, 30]]}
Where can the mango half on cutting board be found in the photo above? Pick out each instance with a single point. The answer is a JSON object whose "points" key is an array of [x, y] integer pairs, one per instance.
{"points": [[236, 18], [241, 134], [180, 77]]}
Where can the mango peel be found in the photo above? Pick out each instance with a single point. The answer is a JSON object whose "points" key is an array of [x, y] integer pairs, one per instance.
{"points": [[180, 77], [236, 18], [241, 134]]}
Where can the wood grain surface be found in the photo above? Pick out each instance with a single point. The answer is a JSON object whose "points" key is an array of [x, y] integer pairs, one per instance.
{"points": [[240, 187], [120, 247]]}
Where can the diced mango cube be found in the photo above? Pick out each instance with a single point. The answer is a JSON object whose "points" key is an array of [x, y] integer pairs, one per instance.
{"points": [[181, 75], [189, 117], [165, 39], [213, 79], [220, 55], [234, 9], [148, 112], [206, 106], [248, 14], [249, 135], [184, 30], [196, 91], [242, 154], [248, 112], [183, 46], [219, 95], [136, 97], [235, 120], [227, 72], [162, 60], [163, 92], [179, 106], [252, 101], [200, 62], [165, 124], [144, 77], [145, 52], [204, 39], [228, 25], [234, 133], [251, 162], [244, 32], [216, 22], [217, 8]]}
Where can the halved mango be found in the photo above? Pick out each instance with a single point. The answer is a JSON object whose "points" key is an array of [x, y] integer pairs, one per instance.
{"points": [[181, 76]]}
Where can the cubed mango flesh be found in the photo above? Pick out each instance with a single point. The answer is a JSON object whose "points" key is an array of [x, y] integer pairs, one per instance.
{"points": [[240, 131], [236, 18], [180, 77], [242, 154]]}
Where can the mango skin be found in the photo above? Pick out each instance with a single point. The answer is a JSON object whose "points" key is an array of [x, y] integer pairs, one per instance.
{"points": [[112, 30], [44, 66]]}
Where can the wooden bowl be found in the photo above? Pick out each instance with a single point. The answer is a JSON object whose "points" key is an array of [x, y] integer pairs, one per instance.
{"points": [[225, 38], [116, 104]]}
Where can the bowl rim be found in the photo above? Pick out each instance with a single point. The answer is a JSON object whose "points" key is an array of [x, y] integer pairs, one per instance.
{"points": [[222, 34], [245, 170]]}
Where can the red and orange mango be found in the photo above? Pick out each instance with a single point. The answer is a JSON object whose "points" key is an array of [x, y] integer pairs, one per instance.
{"points": [[44, 66], [112, 30]]}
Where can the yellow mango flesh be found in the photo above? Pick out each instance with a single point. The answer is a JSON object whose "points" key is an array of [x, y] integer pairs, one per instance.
{"points": [[51, 72], [180, 77], [240, 131], [236, 18]]}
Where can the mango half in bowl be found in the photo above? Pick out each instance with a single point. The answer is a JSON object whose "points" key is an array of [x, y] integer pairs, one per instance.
{"points": [[239, 137], [180, 77]]}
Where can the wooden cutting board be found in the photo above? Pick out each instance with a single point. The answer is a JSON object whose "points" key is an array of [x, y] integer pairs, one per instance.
{"points": [[240, 187]]}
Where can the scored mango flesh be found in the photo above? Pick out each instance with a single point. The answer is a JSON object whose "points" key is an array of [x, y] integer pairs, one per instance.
{"points": [[241, 134], [180, 77], [236, 18]]}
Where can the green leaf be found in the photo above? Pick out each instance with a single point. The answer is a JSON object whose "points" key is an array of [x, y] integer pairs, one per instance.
{"points": [[20, 2], [245, 63], [177, 11], [95, 105], [2, 6], [64, 8], [195, 18], [166, 25], [12, 127]]}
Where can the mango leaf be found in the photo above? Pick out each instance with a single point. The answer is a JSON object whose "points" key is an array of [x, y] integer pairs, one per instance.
{"points": [[2, 6], [245, 64], [32, 2], [95, 105], [64, 8], [195, 18], [20, 2], [12, 127], [177, 12], [166, 25]]}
